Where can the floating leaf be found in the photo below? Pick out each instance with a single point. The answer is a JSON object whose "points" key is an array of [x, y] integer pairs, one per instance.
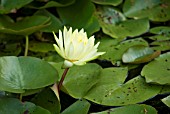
{"points": [[113, 92], [130, 109], [109, 15], [6, 6], [14, 106], [161, 45], [55, 22], [158, 70], [50, 4], [48, 100], [79, 107], [114, 51], [155, 10], [20, 73], [77, 84], [78, 14], [139, 54], [24, 27], [10, 49], [40, 47], [108, 2], [166, 100]]}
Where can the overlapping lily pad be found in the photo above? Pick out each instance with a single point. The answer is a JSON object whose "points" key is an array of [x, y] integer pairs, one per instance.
{"points": [[113, 23], [115, 50], [7, 6], [108, 2], [21, 73], [155, 10], [24, 27], [130, 109], [166, 100], [79, 107], [76, 18], [139, 54], [14, 106], [158, 71]]}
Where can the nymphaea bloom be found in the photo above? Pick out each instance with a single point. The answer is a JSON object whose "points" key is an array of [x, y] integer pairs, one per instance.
{"points": [[75, 47]]}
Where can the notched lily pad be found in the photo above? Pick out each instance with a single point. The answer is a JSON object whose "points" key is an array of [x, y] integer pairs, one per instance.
{"points": [[130, 109], [24, 27], [18, 74], [7, 6], [108, 2], [166, 100], [40, 47], [14, 106], [158, 70], [139, 54], [134, 91], [116, 50], [155, 10]]}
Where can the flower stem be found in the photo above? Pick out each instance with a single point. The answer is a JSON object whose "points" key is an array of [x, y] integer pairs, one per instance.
{"points": [[62, 79], [26, 45]]}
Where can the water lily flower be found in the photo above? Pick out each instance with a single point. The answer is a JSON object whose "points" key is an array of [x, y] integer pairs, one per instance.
{"points": [[75, 47]]}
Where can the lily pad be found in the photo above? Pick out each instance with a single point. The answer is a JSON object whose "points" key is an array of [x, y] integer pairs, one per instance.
{"points": [[79, 107], [10, 49], [108, 2], [6, 6], [21, 73], [77, 84], [40, 46], [158, 70], [115, 50], [161, 45], [24, 27], [79, 15], [109, 15], [49, 101], [55, 23], [130, 109], [166, 100], [155, 10], [139, 54], [14, 106], [55, 3], [107, 92]]}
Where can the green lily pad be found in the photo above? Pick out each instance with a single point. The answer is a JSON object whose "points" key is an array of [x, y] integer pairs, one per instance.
{"points": [[109, 15], [55, 23], [50, 101], [79, 15], [6, 6], [108, 2], [14, 106], [158, 70], [155, 10], [131, 28], [115, 50], [79, 107], [161, 45], [77, 84], [40, 47], [160, 30], [10, 49], [130, 109], [139, 54], [163, 33], [113, 91], [166, 100], [55, 3], [21, 73], [24, 27]]}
